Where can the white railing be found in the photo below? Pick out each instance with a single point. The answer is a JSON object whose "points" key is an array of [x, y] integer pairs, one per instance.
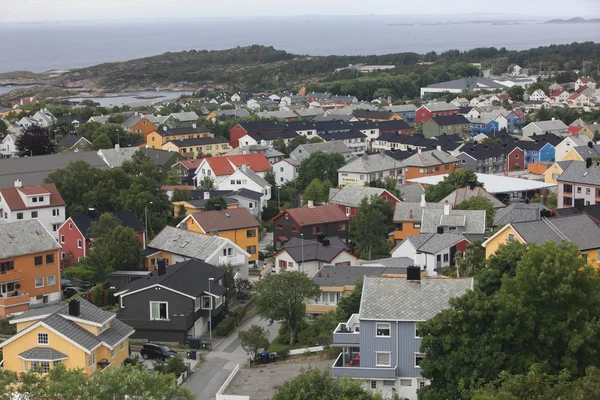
{"points": [[233, 260]]}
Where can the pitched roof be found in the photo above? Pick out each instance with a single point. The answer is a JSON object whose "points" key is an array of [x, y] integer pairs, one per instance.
{"points": [[433, 243], [518, 212], [593, 211], [185, 116], [577, 172], [411, 193], [441, 106], [127, 218], [412, 212], [578, 228], [43, 354], [397, 299], [336, 276], [226, 165], [461, 194], [188, 277], [374, 114], [25, 237], [313, 250], [225, 220], [401, 108], [551, 125], [342, 135], [465, 221], [445, 120], [254, 177], [69, 141], [587, 151], [394, 125], [371, 163], [260, 126], [334, 146], [315, 215], [201, 141], [15, 202], [187, 243], [271, 135], [352, 195], [428, 159]]}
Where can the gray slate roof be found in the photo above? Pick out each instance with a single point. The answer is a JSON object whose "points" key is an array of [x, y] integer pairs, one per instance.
{"points": [[428, 159], [186, 243], [465, 221], [313, 250], [25, 237], [412, 212], [372, 163], [335, 276], [587, 152], [551, 125], [334, 146], [397, 299], [576, 172], [462, 194], [579, 229], [392, 263], [36, 312], [352, 195], [518, 212], [43, 354], [434, 242], [411, 193]]}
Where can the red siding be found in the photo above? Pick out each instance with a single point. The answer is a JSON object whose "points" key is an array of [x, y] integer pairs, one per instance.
{"points": [[235, 134], [517, 156], [462, 246], [71, 236], [423, 115], [389, 197]]}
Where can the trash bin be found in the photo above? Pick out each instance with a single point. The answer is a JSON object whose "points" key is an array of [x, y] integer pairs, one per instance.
{"points": [[191, 355], [264, 357], [272, 357], [204, 345], [194, 343]]}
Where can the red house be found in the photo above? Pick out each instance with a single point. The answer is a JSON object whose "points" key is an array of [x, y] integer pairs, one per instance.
{"points": [[74, 235], [243, 128], [395, 126], [441, 109], [515, 159], [349, 197]]}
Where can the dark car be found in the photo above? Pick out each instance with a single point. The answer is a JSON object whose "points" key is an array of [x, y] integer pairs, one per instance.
{"points": [[157, 351], [72, 291], [65, 283]]}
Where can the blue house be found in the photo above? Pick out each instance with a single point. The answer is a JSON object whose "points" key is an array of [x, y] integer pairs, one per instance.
{"points": [[482, 125], [540, 148], [514, 122], [381, 345]]}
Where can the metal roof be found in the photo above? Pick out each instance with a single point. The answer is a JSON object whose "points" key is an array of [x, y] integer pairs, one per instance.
{"points": [[493, 183]]}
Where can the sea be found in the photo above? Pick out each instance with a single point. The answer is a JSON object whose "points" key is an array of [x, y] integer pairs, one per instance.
{"points": [[39, 47]]}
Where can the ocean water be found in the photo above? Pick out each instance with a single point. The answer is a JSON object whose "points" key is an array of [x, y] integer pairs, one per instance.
{"points": [[40, 47]]}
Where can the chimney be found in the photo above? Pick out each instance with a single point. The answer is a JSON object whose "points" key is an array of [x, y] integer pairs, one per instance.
{"points": [[244, 168], [472, 185], [413, 273], [320, 237], [18, 183], [311, 204], [440, 230], [74, 308], [162, 266], [579, 204], [325, 242], [588, 162], [419, 150], [410, 216], [553, 118], [423, 202], [194, 125], [439, 148], [165, 128], [217, 207], [447, 209]]}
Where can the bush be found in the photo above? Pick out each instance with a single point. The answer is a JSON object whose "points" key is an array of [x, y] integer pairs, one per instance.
{"points": [[97, 295], [176, 365], [225, 327], [282, 350], [239, 313], [6, 328]]}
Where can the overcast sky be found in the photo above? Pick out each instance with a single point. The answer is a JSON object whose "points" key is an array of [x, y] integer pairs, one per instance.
{"points": [[39, 10]]}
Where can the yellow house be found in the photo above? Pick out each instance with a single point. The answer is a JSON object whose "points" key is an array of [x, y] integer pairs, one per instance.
{"points": [[586, 236], [237, 225], [215, 146], [580, 153], [555, 171], [194, 206], [78, 335], [157, 138]]}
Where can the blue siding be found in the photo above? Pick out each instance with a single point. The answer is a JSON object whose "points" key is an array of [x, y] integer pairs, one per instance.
{"points": [[547, 153], [369, 344], [408, 346]]}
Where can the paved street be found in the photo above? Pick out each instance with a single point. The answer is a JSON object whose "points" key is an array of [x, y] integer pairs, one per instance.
{"points": [[218, 364]]}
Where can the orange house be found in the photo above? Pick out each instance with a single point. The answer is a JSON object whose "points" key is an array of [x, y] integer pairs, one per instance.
{"points": [[428, 163], [144, 127], [407, 219], [29, 266]]}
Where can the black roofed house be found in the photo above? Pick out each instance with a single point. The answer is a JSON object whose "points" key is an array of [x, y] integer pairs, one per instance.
{"points": [[172, 304], [267, 138], [485, 159], [191, 147], [75, 143], [457, 124]]}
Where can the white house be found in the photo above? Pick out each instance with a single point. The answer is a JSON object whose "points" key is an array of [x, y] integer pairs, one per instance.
{"points": [[26, 122], [460, 102], [236, 97], [245, 178], [8, 146], [335, 146], [43, 118], [514, 69], [431, 251], [538, 95], [42, 202], [568, 143], [309, 256], [587, 81], [552, 126], [221, 167], [502, 122], [367, 168], [285, 170]]}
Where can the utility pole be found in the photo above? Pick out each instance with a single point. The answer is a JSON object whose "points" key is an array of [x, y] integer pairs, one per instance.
{"points": [[302, 236], [210, 314]]}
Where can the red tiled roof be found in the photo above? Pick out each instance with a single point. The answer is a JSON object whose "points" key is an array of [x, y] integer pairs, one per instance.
{"points": [[225, 220], [13, 198], [588, 79], [575, 129], [190, 164], [223, 165], [316, 215]]}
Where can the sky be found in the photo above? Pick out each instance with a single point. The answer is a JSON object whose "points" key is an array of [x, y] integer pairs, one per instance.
{"points": [[57, 10]]}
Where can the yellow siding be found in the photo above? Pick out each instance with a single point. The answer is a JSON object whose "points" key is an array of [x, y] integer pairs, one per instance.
{"points": [[94, 330], [572, 155], [554, 169], [237, 236], [190, 209], [27, 324], [592, 257], [492, 246], [193, 226]]}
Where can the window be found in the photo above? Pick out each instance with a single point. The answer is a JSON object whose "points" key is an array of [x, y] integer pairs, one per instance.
{"points": [[38, 260], [40, 367], [516, 156], [7, 266], [34, 214], [56, 213], [39, 282], [251, 233], [446, 257], [20, 215], [597, 192], [588, 191], [279, 226], [55, 227], [383, 330], [294, 229], [417, 226], [50, 280], [79, 244], [159, 310], [341, 227], [62, 256], [388, 383], [112, 353], [382, 359], [251, 249], [92, 360], [567, 201], [42, 338], [316, 229], [49, 258], [421, 384], [34, 200], [578, 189], [405, 382], [511, 237], [419, 357], [568, 188], [62, 238], [348, 211], [122, 346], [373, 384]]}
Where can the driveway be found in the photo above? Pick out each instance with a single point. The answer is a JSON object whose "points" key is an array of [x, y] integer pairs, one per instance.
{"points": [[218, 364]]}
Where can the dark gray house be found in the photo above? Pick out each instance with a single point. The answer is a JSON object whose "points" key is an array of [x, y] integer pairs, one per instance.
{"points": [[381, 344], [173, 303]]}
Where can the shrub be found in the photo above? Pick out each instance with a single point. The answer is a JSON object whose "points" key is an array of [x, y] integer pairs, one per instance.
{"points": [[176, 365], [225, 327], [6, 328], [239, 313], [282, 350], [97, 295]]}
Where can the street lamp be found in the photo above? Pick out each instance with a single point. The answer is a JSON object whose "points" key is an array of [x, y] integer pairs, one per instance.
{"points": [[210, 314], [302, 236], [146, 218]]}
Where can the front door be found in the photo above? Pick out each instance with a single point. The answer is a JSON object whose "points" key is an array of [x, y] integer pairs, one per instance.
{"points": [[438, 263]]}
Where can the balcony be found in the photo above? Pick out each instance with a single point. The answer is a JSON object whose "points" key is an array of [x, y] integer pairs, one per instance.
{"points": [[10, 303], [339, 370], [347, 334], [232, 260]]}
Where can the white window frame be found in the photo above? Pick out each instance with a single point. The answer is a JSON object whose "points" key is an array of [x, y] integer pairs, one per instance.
{"points": [[511, 237], [167, 310], [373, 384], [92, 360], [404, 381], [389, 364], [48, 280], [42, 335], [389, 329], [122, 346], [79, 244], [36, 282], [418, 355], [112, 353], [416, 332]]}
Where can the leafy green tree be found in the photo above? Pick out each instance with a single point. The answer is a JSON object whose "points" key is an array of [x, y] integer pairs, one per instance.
{"points": [[350, 304], [253, 340], [317, 191], [502, 264], [3, 127], [516, 93], [102, 142], [321, 166], [280, 146], [270, 178], [271, 210], [282, 297], [207, 183], [370, 228], [471, 261], [450, 183], [315, 139], [479, 203], [215, 203], [295, 142], [313, 383], [181, 195], [173, 178], [34, 141]]}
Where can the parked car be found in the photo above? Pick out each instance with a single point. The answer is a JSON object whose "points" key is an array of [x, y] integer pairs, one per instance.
{"points": [[72, 291], [65, 283], [157, 351]]}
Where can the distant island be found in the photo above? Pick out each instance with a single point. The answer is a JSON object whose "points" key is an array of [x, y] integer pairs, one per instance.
{"points": [[576, 20]]}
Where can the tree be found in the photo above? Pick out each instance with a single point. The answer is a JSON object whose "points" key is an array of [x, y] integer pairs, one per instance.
{"points": [[479, 203], [34, 141], [207, 183], [503, 263], [270, 178], [253, 340], [317, 191], [280, 146], [282, 297], [322, 166], [315, 139], [102, 142], [215, 203], [313, 383], [471, 261], [3, 127], [173, 178], [450, 183], [350, 304], [516, 93], [370, 227], [181, 195], [546, 314], [295, 142], [271, 210]]}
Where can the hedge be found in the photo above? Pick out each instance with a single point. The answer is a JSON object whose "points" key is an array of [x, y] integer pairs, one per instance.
{"points": [[239, 313], [225, 327]]}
